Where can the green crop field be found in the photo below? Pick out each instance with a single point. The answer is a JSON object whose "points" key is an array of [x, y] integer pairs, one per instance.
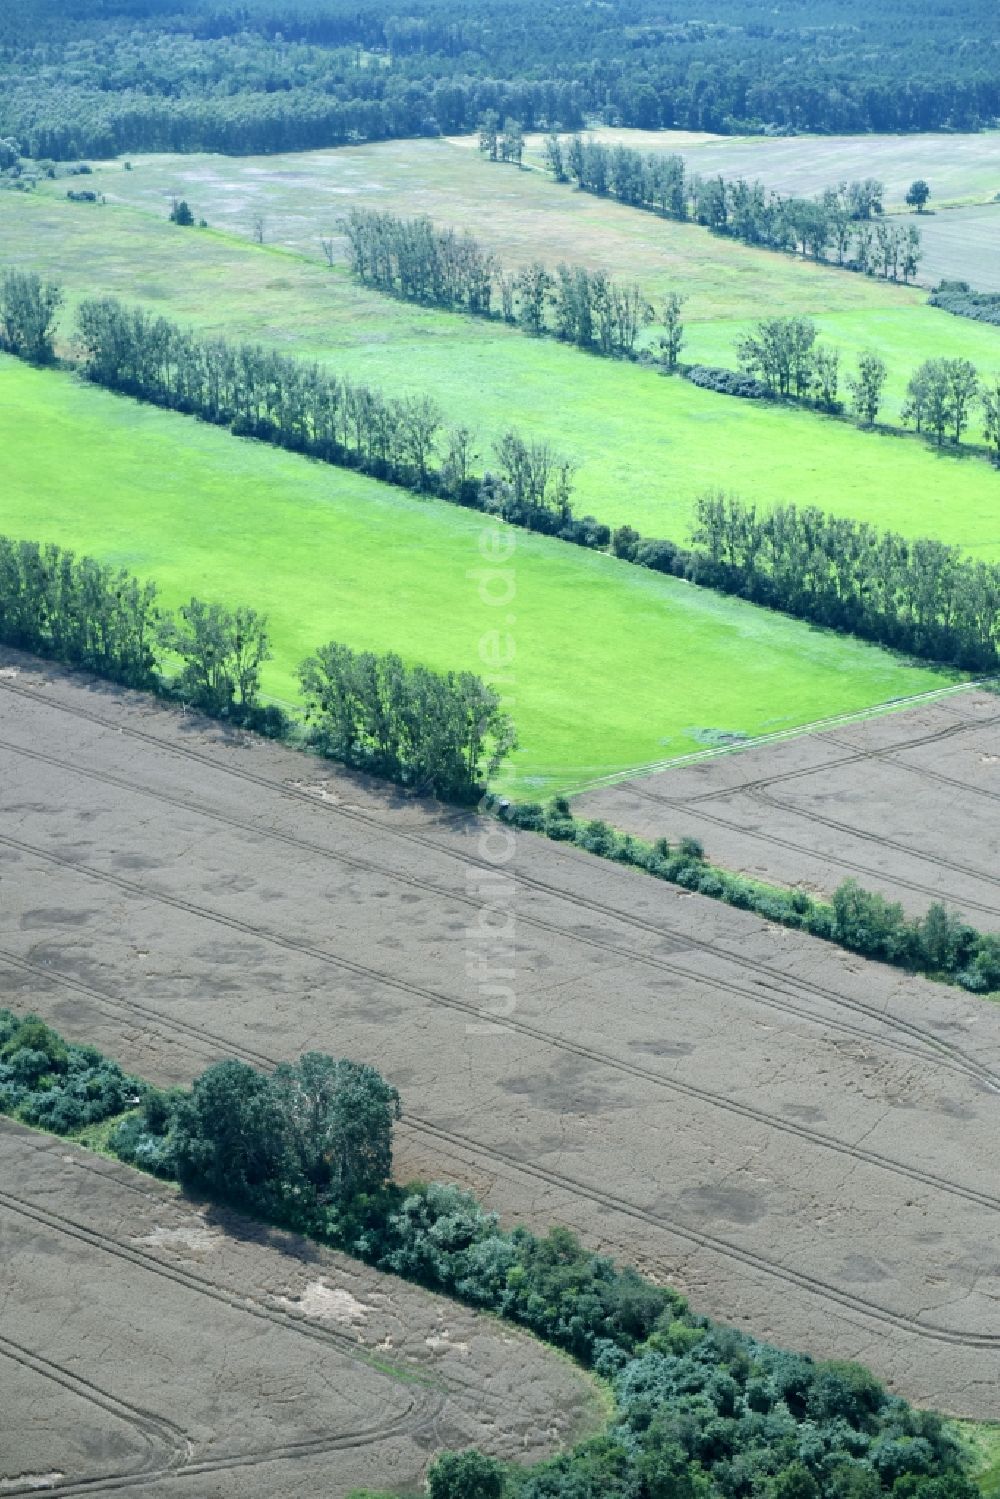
{"points": [[646, 445], [614, 667]]}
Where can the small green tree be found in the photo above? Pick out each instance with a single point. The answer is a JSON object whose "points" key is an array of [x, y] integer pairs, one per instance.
{"points": [[28, 308], [465, 1475], [554, 157], [512, 142], [489, 134], [990, 397], [866, 387], [917, 194], [180, 213], [221, 652], [672, 340]]}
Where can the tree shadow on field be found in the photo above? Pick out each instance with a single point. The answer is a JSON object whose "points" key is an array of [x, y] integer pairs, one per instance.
{"points": [[254, 1231]]}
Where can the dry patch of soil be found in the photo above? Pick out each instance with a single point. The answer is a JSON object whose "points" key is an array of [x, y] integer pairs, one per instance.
{"points": [[804, 1142], [149, 1338]]}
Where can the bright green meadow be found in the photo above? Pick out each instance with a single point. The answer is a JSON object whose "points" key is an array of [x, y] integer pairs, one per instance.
{"points": [[646, 445], [614, 667]]}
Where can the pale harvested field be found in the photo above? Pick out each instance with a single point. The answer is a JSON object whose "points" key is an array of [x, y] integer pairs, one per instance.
{"points": [[962, 244], [153, 1345], [958, 168], [908, 804], [802, 1142]]}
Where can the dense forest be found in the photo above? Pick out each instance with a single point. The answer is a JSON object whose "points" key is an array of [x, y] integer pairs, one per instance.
{"points": [[270, 75]]}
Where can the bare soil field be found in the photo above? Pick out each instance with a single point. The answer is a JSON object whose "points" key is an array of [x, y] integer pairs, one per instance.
{"points": [[150, 1344], [906, 803], [802, 1142]]}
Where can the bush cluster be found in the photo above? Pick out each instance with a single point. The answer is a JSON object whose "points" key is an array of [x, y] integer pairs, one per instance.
{"points": [[728, 382], [939, 944], [46, 1082], [959, 298]]}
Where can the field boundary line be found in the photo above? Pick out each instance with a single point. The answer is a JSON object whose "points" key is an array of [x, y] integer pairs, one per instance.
{"points": [[839, 720]]}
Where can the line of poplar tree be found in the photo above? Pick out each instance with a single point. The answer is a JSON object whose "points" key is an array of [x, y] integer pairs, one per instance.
{"points": [[442, 733], [921, 596], [256, 392], [413, 259], [843, 225]]}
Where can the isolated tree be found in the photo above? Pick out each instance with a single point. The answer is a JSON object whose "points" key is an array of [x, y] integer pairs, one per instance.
{"points": [[180, 213], [866, 387], [327, 246], [672, 340], [259, 228], [28, 309], [917, 194]]}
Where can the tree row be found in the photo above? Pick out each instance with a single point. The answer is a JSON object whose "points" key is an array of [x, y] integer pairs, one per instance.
{"points": [[939, 944], [843, 225], [441, 733], [411, 258]]}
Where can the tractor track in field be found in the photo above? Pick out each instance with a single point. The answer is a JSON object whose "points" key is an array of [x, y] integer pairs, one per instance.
{"points": [[167, 1445], [854, 757], [724, 1247], [188, 1279], [686, 1090], [421, 1409], [465, 1145], [777, 841], [764, 992]]}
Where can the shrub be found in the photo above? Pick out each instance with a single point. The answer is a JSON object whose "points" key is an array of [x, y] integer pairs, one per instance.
{"points": [[727, 382], [465, 1475]]}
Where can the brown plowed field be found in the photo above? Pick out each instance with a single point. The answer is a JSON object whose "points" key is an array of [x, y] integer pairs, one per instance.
{"points": [[907, 803], [148, 1344], [804, 1142]]}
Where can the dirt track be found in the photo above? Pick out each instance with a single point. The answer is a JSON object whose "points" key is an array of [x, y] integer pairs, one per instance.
{"points": [[907, 803], [149, 1345], [804, 1142]]}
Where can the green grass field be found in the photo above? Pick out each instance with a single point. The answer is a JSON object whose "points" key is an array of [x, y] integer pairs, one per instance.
{"points": [[647, 446], [614, 667]]}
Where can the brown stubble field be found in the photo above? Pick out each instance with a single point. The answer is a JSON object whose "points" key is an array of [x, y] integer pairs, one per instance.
{"points": [[153, 1344], [803, 1142], [906, 803]]}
